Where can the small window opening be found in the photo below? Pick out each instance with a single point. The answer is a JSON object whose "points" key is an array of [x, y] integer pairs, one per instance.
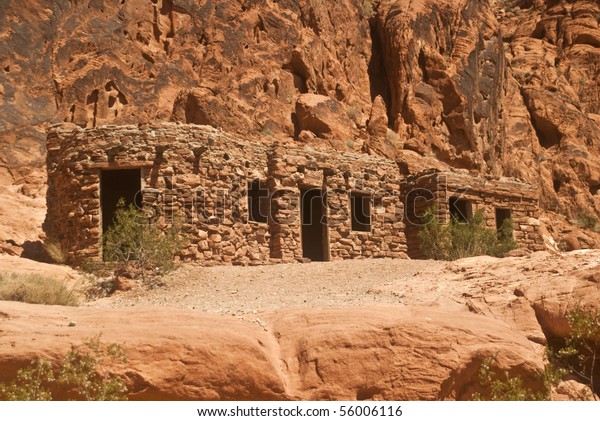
{"points": [[461, 210], [360, 205]]}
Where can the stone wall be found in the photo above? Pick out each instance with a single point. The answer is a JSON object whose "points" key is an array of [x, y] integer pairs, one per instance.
{"points": [[434, 188], [339, 175], [200, 175]]}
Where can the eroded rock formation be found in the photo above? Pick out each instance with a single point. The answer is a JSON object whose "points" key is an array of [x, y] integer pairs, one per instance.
{"points": [[507, 88]]}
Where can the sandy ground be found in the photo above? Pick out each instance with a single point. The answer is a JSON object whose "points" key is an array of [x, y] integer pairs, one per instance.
{"points": [[240, 291], [237, 290], [246, 291]]}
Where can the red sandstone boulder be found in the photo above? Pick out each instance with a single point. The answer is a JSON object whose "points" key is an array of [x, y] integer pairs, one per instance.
{"points": [[400, 353], [325, 117]]}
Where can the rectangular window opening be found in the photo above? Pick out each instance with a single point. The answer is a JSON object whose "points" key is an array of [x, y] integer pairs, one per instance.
{"points": [[461, 210], [258, 201], [360, 206]]}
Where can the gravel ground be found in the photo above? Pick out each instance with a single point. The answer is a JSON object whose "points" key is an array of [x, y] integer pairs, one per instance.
{"points": [[245, 291], [237, 290]]}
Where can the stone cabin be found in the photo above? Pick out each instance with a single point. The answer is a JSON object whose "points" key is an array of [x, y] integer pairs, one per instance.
{"points": [[246, 202], [460, 195], [240, 202]]}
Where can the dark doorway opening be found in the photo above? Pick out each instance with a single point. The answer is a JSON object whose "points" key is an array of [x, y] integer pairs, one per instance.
{"points": [[503, 228], [117, 184], [314, 229], [461, 210], [360, 206], [258, 201]]}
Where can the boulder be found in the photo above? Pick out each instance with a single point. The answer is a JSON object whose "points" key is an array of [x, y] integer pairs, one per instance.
{"points": [[399, 353], [325, 117]]}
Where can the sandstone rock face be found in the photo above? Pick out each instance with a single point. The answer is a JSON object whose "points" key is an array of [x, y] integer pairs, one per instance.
{"points": [[507, 88], [553, 52], [399, 353], [378, 119], [394, 353]]}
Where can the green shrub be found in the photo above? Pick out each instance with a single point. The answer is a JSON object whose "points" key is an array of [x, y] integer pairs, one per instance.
{"points": [[581, 351], [138, 246], [456, 240], [36, 289], [75, 377], [507, 388], [579, 354]]}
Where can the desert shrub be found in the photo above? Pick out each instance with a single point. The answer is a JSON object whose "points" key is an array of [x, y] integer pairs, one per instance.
{"points": [[456, 240], [435, 237], [580, 353], [36, 289], [586, 221], [55, 251], [76, 377], [95, 285], [367, 7], [266, 130], [507, 388], [353, 113], [392, 137], [140, 247]]}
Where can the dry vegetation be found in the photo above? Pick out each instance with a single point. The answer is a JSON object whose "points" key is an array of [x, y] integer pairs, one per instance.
{"points": [[36, 289]]}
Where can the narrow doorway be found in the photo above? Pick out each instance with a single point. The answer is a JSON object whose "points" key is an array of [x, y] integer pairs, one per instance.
{"points": [[503, 228], [117, 184], [315, 244]]}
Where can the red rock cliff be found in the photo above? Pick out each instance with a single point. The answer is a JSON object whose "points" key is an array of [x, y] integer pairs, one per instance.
{"points": [[502, 87]]}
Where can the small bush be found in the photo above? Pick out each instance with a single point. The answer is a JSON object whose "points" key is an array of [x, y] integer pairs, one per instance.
{"points": [[36, 289], [457, 240], [76, 377], [55, 251], [353, 113], [140, 247], [586, 221], [581, 350], [367, 7], [392, 137], [266, 130], [507, 388]]}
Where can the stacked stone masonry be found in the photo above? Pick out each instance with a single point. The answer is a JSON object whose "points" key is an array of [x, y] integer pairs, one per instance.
{"points": [[200, 176], [305, 203], [438, 189]]}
